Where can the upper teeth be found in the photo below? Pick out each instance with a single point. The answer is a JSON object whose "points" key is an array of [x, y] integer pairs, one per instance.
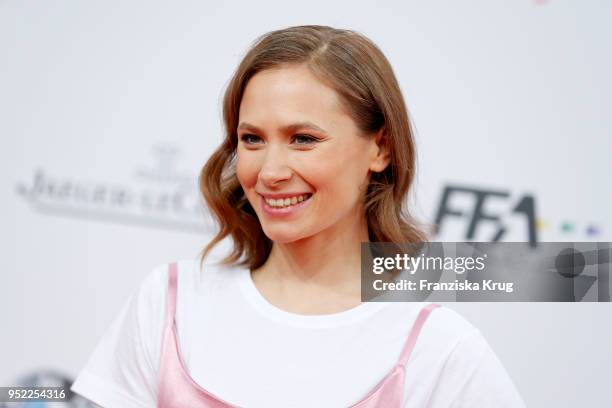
{"points": [[283, 202]]}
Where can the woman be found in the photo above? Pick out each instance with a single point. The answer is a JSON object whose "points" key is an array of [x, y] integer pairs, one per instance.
{"points": [[318, 157]]}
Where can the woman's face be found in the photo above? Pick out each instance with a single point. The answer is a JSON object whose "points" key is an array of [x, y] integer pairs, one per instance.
{"points": [[295, 142]]}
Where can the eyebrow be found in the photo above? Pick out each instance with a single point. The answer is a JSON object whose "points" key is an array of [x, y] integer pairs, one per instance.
{"points": [[286, 129]]}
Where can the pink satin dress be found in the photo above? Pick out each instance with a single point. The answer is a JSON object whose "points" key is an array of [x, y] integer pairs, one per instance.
{"points": [[176, 388]]}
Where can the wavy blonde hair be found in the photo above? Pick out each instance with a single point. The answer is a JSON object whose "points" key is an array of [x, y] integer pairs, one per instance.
{"points": [[363, 78]]}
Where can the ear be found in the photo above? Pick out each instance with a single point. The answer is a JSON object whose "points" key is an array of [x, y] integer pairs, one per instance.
{"points": [[381, 155]]}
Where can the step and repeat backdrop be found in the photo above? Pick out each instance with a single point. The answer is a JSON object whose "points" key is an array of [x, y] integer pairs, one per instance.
{"points": [[110, 109]]}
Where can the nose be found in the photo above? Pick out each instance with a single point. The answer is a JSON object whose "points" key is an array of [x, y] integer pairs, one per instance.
{"points": [[275, 168]]}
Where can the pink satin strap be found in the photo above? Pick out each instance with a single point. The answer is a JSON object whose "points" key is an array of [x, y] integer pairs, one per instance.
{"points": [[171, 302], [414, 332], [389, 392], [176, 388]]}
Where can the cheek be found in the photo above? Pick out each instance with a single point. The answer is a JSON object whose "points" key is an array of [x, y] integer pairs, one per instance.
{"points": [[246, 171], [340, 171]]}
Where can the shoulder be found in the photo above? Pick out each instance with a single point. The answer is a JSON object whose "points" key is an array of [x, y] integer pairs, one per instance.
{"points": [[445, 322], [441, 324], [457, 366], [194, 281], [466, 370], [150, 297], [188, 271], [154, 283], [444, 332], [441, 332]]}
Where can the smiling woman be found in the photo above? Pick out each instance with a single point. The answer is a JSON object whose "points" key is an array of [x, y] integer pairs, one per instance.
{"points": [[285, 162], [318, 157], [326, 101]]}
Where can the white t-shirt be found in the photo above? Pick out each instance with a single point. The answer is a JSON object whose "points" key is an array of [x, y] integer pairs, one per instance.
{"points": [[245, 350]]}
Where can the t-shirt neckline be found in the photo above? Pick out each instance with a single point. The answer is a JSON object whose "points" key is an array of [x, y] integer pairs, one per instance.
{"points": [[268, 310]]}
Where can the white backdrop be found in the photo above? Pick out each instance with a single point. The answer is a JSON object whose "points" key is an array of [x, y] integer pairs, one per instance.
{"points": [[110, 109]]}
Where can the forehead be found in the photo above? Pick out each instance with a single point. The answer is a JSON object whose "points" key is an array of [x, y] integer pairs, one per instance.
{"points": [[290, 93]]}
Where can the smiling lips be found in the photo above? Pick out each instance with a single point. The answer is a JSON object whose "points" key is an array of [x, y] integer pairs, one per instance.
{"points": [[286, 201]]}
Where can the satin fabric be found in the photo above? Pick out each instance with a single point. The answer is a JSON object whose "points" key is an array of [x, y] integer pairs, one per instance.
{"points": [[176, 388]]}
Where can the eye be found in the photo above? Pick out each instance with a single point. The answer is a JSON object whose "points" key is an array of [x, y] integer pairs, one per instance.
{"points": [[303, 139], [249, 138]]}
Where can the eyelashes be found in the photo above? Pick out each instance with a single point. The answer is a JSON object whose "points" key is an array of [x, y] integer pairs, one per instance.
{"points": [[247, 137], [299, 139]]}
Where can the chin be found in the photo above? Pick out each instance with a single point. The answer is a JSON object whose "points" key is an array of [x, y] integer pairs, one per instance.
{"points": [[283, 237]]}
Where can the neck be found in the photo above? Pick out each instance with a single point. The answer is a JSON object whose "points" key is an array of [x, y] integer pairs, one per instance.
{"points": [[325, 266]]}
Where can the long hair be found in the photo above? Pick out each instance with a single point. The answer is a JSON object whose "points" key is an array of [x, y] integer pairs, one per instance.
{"points": [[363, 78]]}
